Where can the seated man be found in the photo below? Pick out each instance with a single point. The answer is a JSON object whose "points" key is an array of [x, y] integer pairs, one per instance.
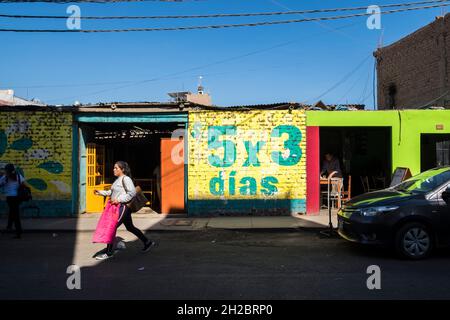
{"points": [[329, 165]]}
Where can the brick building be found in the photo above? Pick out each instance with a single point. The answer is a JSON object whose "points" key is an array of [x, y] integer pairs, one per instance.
{"points": [[211, 160], [414, 71]]}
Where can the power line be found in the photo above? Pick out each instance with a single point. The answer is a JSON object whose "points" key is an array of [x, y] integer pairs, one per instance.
{"points": [[374, 84], [363, 94], [351, 87], [90, 1], [255, 24], [248, 54], [319, 23], [344, 79], [222, 15]]}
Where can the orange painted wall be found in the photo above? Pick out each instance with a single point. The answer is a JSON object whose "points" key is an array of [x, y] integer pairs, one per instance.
{"points": [[172, 176]]}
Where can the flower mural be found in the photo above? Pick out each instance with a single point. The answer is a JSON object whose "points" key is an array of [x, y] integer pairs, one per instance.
{"points": [[39, 145]]}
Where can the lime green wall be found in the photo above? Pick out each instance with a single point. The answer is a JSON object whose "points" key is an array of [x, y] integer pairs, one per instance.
{"points": [[406, 128]]}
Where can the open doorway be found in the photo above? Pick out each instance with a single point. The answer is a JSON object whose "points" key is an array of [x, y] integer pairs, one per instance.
{"points": [[434, 151], [148, 149], [364, 155]]}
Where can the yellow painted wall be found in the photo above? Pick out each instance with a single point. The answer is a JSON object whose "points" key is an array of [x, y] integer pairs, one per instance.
{"points": [[288, 176], [40, 145]]}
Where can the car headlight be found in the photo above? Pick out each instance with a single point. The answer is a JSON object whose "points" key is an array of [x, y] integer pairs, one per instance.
{"points": [[373, 211]]}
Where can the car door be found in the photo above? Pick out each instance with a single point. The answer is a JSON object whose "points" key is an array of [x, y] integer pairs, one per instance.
{"points": [[444, 217]]}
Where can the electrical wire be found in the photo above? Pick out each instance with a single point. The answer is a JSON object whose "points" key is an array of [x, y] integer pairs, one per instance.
{"points": [[266, 23], [222, 15], [374, 85], [363, 94], [91, 1], [343, 80], [248, 54], [338, 102]]}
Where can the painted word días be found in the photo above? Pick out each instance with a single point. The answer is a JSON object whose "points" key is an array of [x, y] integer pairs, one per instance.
{"points": [[248, 186]]}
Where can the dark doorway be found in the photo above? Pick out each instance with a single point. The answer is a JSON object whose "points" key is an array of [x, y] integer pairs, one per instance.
{"points": [[363, 153], [434, 151]]}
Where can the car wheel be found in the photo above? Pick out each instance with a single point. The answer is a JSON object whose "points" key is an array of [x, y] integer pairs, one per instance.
{"points": [[413, 241]]}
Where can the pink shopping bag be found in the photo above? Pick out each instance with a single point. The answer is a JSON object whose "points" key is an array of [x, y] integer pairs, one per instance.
{"points": [[106, 226]]}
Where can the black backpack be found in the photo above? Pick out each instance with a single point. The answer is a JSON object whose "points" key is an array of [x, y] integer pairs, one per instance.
{"points": [[24, 193]]}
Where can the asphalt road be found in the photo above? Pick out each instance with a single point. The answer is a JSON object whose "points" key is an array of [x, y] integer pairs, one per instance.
{"points": [[216, 264]]}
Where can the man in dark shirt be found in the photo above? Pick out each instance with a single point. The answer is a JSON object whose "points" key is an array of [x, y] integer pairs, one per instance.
{"points": [[329, 165]]}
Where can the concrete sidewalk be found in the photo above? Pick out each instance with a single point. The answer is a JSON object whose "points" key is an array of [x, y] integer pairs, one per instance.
{"points": [[88, 222]]}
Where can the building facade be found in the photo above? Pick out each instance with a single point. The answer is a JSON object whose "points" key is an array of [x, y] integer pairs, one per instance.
{"points": [[39, 142], [414, 71], [208, 161]]}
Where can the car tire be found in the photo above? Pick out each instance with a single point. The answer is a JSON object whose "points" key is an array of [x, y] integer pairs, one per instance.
{"points": [[414, 241]]}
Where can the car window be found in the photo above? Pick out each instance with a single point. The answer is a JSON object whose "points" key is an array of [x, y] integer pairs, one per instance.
{"points": [[425, 182], [445, 189]]}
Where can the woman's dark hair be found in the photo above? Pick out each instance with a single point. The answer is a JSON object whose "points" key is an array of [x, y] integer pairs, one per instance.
{"points": [[125, 168], [11, 171]]}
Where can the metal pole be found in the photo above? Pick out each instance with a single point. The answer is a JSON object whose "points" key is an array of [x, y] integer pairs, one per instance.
{"points": [[330, 232]]}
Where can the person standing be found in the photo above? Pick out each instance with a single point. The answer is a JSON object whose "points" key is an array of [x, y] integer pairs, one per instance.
{"points": [[11, 182], [122, 191]]}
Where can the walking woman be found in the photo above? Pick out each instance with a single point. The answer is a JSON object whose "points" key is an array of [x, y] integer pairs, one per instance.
{"points": [[11, 182], [122, 191]]}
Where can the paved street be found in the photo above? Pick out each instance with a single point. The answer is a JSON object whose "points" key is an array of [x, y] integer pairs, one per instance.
{"points": [[215, 264]]}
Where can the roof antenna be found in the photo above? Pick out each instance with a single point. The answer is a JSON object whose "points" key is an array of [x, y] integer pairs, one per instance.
{"points": [[200, 89]]}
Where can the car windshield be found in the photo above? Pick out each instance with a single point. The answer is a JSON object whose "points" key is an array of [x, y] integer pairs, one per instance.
{"points": [[425, 182]]}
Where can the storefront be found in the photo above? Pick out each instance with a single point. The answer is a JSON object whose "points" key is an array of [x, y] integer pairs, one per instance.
{"points": [[212, 161], [247, 162], [372, 144], [151, 141]]}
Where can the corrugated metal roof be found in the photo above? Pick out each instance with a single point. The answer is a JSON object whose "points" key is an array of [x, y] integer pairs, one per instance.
{"points": [[163, 107]]}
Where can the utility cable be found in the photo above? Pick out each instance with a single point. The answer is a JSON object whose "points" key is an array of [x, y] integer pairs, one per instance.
{"points": [[222, 15], [220, 26]]}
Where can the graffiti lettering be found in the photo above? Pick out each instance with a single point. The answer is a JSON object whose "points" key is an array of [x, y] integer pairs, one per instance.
{"points": [[290, 156], [229, 148], [292, 145], [248, 185], [252, 152]]}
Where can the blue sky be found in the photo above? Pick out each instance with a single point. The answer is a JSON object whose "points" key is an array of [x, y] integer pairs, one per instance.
{"points": [[266, 64]]}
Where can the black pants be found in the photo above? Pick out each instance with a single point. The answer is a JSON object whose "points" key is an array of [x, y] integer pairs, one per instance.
{"points": [[125, 218], [14, 214]]}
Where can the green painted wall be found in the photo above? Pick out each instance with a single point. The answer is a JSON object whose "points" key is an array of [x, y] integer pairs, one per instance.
{"points": [[406, 125]]}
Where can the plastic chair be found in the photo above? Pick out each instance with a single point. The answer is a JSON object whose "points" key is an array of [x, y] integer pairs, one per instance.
{"points": [[333, 195], [337, 187]]}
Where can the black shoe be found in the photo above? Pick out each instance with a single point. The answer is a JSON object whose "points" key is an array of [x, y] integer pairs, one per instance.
{"points": [[104, 250], [103, 256], [17, 237], [148, 245]]}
